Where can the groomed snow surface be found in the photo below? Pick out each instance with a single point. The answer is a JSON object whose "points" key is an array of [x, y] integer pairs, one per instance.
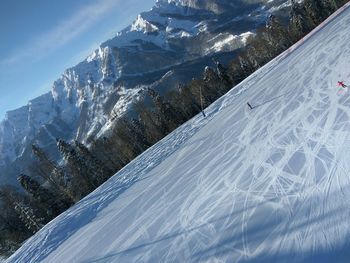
{"points": [[270, 184]]}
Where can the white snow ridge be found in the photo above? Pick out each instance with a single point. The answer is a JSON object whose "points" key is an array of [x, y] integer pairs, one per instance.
{"points": [[266, 185]]}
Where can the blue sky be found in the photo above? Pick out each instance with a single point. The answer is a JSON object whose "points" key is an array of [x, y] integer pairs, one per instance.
{"points": [[39, 39]]}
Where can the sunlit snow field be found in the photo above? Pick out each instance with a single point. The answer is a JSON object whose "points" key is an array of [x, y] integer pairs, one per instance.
{"points": [[270, 184]]}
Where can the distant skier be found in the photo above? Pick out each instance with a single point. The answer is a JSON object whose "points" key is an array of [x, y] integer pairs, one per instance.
{"points": [[250, 106], [341, 84]]}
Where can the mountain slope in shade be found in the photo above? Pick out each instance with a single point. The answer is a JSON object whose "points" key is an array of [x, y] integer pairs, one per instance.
{"points": [[264, 185], [85, 97]]}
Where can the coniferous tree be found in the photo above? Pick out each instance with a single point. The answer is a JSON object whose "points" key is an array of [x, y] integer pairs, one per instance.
{"points": [[183, 101], [28, 216], [150, 122], [13, 230], [167, 114], [53, 174], [98, 171], [300, 22], [51, 203], [276, 35], [46, 165], [104, 151], [81, 181], [22, 208]]}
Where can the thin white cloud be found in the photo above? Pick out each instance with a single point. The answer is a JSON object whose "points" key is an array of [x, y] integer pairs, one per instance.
{"points": [[66, 31]]}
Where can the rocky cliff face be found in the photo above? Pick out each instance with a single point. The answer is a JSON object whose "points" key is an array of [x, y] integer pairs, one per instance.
{"points": [[167, 45]]}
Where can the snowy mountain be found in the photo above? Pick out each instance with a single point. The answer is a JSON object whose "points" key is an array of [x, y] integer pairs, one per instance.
{"points": [[172, 37], [264, 185]]}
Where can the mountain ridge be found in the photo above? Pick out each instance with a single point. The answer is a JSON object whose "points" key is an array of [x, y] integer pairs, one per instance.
{"points": [[264, 185], [171, 33]]}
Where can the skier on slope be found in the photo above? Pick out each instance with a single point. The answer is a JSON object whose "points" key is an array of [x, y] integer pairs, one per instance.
{"points": [[341, 84], [250, 106]]}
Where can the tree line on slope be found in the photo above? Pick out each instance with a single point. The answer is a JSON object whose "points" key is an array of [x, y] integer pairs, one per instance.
{"points": [[52, 188]]}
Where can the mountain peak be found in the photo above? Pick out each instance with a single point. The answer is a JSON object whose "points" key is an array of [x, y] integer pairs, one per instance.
{"points": [[141, 24], [80, 104]]}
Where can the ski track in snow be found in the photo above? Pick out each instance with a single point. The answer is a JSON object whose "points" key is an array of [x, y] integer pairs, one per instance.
{"points": [[270, 184]]}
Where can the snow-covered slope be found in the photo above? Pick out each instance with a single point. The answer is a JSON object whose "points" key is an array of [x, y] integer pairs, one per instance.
{"points": [[264, 185], [83, 99]]}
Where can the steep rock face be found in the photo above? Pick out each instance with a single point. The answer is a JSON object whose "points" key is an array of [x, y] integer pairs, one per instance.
{"points": [[151, 51]]}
